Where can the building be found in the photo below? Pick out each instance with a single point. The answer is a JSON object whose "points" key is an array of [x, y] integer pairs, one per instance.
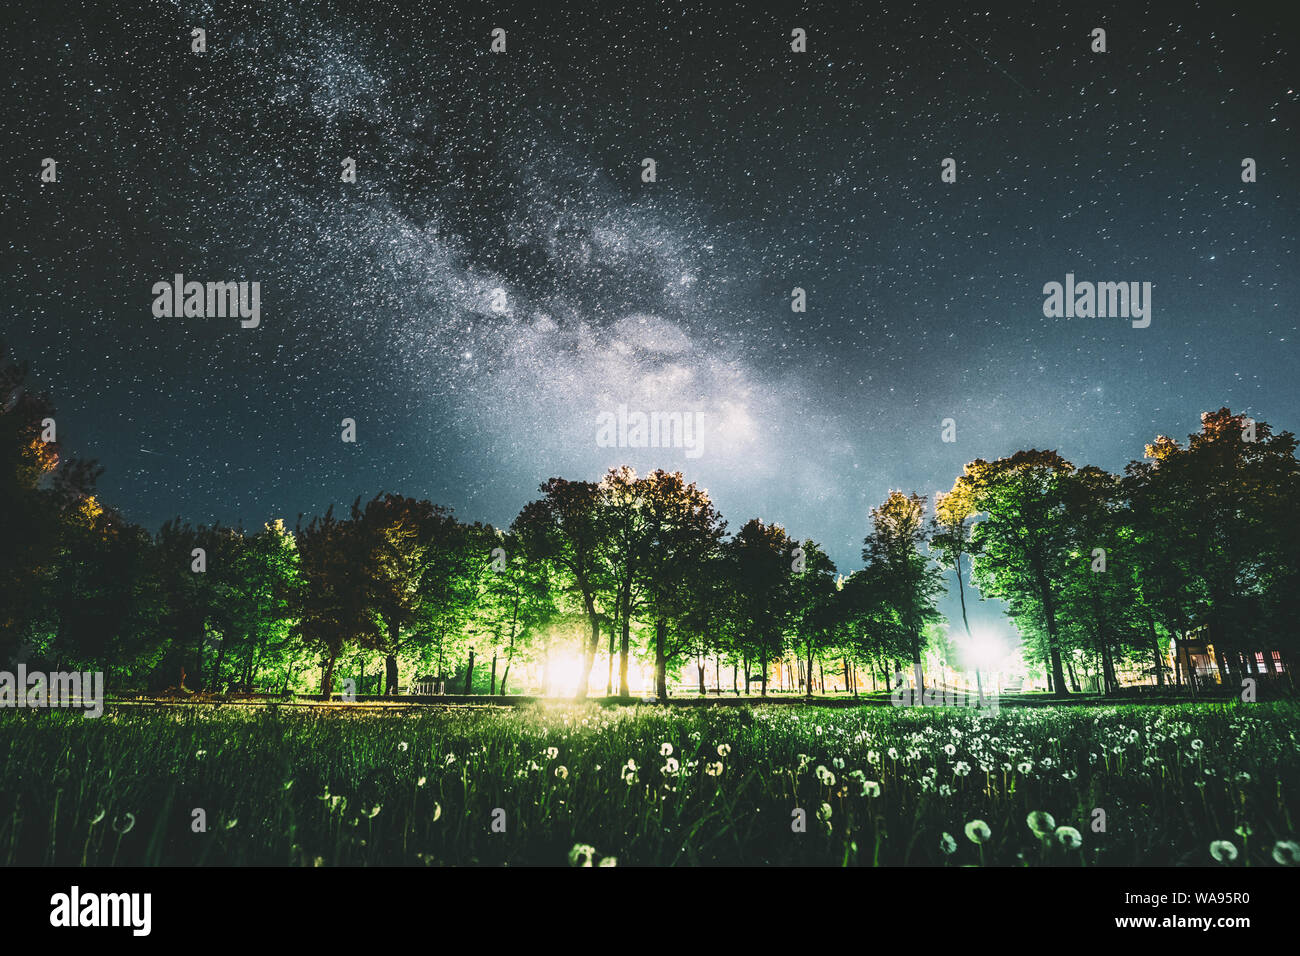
{"points": [[1197, 657]]}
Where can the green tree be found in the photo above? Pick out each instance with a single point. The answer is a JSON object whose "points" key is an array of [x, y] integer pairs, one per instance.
{"points": [[1218, 523], [564, 528], [335, 608], [761, 560], [45, 497], [950, 542], [684, 531], [406, 541], [1024, 541], [626, 536], [815, 620], [907, 582]]}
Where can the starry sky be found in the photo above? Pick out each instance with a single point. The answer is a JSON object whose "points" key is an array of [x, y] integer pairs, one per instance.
{"points": [[482, 173]]}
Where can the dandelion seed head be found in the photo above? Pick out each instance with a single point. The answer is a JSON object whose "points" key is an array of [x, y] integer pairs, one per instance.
{"points": [[1286, 852], [1041, 823], [1069, 838], [977, 831], [582, 854], [1223, 851]]}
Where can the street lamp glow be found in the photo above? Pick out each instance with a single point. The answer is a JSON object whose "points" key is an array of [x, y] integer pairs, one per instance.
{"points": [[986, 651]]}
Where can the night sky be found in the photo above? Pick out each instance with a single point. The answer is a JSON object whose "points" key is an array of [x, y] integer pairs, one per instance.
{"points": [[521, 172]]}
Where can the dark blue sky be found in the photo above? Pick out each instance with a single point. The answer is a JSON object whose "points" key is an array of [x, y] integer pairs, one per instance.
{"points": [[520, 172]]}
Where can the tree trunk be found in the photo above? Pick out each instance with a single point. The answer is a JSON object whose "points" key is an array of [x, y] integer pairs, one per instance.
{"points": [[216, 669], [510, 658], [390, 675], [623, 653], [327, 677], [198, 656], [661, 663], [609, 679], [1053, 642], [591, 645], [961, 593], [1155, 650], [1101, 663], [469, 674]]}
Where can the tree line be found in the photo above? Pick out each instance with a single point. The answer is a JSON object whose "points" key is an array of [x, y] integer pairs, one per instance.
{"points": [[1098, 571]]}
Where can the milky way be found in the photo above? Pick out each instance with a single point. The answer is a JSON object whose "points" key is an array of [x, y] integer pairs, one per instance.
{"points": [[499, 274]]}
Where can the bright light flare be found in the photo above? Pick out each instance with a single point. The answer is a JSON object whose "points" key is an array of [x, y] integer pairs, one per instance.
{"points": [[566, 674], [985, 651]]}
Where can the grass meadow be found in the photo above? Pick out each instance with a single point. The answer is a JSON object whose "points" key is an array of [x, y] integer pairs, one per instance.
{"points": [[562, 783]]}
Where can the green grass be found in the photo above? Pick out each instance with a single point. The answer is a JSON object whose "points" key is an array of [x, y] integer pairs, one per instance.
{"points": [[327, 787]]}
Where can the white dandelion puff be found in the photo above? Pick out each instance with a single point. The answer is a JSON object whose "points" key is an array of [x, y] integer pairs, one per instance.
{"points": [[1041, 823], [1286, 852], [1069, 838], [1223, 851]]}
